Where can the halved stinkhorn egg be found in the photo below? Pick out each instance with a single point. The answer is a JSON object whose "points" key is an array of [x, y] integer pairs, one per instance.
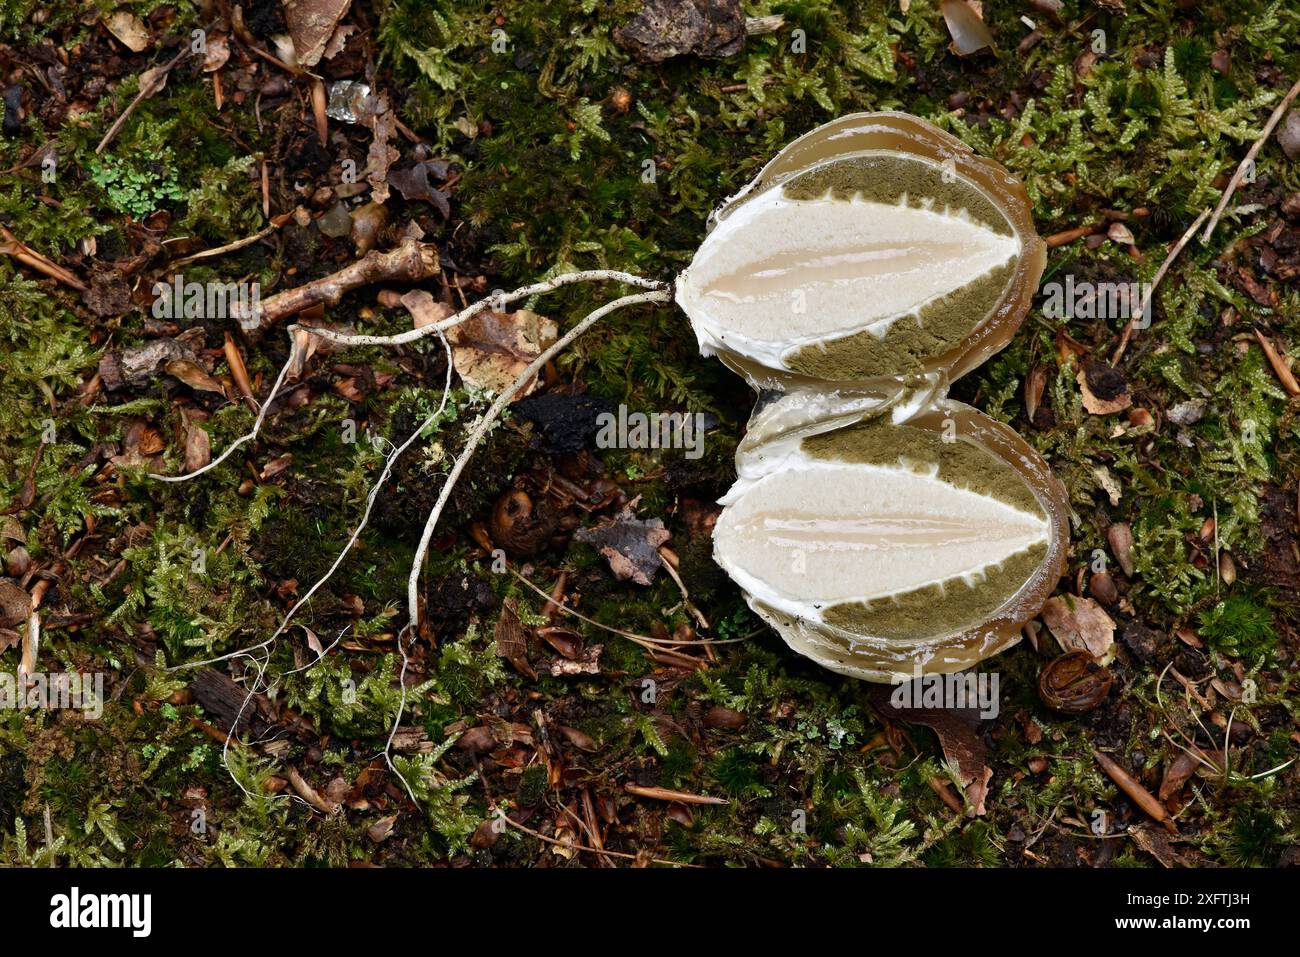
{"points": [[890, 535], [874, 247]]}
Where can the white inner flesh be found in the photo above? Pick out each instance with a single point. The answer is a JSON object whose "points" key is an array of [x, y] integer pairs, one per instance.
{"points": [[787, 271], [829, 533]]}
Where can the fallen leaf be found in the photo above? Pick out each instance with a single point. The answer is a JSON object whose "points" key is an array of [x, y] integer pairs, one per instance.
{"points": [[311, 24], [491, 350], [1104, 389], [413, 183], [216, 51], [1080, 624], [424, 309], [193, 376], [512, 639], [587, 662], [1108, 484], [15, 604], [129, 29], [629, 544], [957, 728], [198, 447]]}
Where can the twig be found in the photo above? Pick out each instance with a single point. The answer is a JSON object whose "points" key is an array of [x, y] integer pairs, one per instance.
{"points": [[496, 303], [582, 847], [271, 227], [1250, 158], [412, 261], [665, 794], [1140, 795], [1155, 281], [147, 89], [13, 246]]}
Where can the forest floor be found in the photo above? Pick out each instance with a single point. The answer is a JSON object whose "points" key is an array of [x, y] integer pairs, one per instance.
{"points": [[520, 141]]}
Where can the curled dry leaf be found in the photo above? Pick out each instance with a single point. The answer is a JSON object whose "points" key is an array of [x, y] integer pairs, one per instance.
{"points": [[311, 24], [129, 29], [216, 52], [1080, 624], [492, 349], [512, 639], [193, 376], [1073, 683]]}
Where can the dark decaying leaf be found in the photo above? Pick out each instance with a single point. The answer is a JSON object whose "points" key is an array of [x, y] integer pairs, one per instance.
{"points": [[667, 28], [957, 729], [413, 183], [629, 544]]}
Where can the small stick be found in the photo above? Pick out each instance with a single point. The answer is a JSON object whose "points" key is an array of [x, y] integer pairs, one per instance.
{"points": [[271, 227], [1155, 281], [582, 847], [239, 371], [1140, 795], [409, 262], [1068, 236], [147, 89], [664, 794], [1250, 158], [15, 247]]}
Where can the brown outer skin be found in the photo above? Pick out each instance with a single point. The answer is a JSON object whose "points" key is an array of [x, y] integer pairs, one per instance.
{"points": [[901, 132], [888, 660]]}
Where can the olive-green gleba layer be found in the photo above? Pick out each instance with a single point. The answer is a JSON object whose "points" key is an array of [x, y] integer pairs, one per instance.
{"points": [[881, 528], [864, 265]]}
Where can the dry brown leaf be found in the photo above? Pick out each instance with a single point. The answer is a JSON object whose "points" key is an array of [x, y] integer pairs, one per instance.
{"points": [[198, 447], [129, 29], [492, 349], [424, 309], [1080, 624], [311, 24], [216, 51], [193, 376]]}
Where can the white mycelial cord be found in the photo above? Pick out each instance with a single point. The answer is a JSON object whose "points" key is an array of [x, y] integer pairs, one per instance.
{"points": [[659, 292]]}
